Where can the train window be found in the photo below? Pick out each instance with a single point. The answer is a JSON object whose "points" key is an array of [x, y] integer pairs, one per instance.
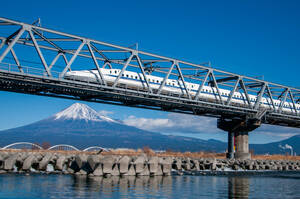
{"points": [[136, 77], [110, 71], [127, 75], [131, 76], [122, 75], [115, 72], [173, 84]]}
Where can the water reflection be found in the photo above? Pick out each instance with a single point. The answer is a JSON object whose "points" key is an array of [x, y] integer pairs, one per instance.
{"points": [[111, 186], [238, 187], [67, 186]]}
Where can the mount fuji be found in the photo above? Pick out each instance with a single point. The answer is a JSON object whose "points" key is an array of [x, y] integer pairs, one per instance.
{"points": [[81, 126]]}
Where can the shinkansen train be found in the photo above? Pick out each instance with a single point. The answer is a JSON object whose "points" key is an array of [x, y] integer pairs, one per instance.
{"points": [[136, 81]]}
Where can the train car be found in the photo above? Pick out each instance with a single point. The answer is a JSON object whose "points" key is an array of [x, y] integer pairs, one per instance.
{"points": [[136, 81]]}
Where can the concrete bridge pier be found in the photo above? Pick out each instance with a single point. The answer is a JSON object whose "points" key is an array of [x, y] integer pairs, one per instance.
{"points": [[242, 146], [230, 149], [238, 141]]}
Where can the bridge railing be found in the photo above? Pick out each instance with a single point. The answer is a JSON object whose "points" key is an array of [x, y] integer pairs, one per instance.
{"points": [[29, 70]]}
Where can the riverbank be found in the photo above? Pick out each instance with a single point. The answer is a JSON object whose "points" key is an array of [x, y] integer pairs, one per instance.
{"points": [[108, 164]]}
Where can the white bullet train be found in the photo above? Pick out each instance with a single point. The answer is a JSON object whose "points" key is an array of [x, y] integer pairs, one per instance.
{"points": [[135, 81]]}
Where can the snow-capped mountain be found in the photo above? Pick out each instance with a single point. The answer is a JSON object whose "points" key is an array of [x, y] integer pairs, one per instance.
{"points": [[81, 126], [80, 111]]}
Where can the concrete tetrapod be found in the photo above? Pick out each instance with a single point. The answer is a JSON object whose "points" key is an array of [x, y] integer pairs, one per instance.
{"points": [[166, 165], [28, 162], [124, 164], [46, 159], [115, 171], [94, 161], [98, 170], [139, 164], [153, 165], [131, 171], [81, 162], [177, 164], [107, 164], [60, 162], [10, 162]]}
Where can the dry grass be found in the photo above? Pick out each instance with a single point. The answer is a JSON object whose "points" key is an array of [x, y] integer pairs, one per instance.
{"points": [[150, 152], [275, 157]]}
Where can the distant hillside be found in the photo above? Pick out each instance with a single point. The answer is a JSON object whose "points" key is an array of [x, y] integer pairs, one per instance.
{"points": [[81, 126], [280, 147]]}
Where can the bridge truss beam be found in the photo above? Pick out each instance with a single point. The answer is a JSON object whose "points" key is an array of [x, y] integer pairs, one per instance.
{"points": [[81, 53]]}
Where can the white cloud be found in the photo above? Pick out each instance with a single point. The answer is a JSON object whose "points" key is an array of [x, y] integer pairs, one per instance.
{"points": [[176, 123], [278, 131], [105, 113], [148, 123], [189, 124]]}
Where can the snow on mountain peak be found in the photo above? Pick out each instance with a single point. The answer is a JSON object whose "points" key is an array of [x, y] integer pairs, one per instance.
{"points": [[81, 112]]}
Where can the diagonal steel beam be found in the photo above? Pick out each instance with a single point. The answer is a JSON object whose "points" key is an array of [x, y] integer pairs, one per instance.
{"points": [[11, 44], [245, 92], [217, 87], [40, 53], [12, 35], [65, 59], [45, 39], [16, 60], [122, 71], [182, 79], [165, 79], [232, 92], [284, 99], [259, 97], [72, 59], [143, 72], [99, 52], [202, 85], [293, 101], [270, 96], [54, 60], [96, 63], [225, 79]]}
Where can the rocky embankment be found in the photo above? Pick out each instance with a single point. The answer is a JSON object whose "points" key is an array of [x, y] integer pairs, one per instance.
{"points": [[116, 165]]}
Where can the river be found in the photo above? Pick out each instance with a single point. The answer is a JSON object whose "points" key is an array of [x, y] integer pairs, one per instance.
{"points": [[37, 186]]}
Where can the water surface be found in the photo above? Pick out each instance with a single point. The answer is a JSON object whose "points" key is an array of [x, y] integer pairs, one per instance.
{"points": [[67, 186]]}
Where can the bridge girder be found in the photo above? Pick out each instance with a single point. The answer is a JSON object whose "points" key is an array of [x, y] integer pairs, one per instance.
{"points": [[48, 78]]}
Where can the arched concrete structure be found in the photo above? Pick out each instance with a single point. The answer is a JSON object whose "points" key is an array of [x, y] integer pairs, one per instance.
{"points": [[22, 143], [59, 146], [95, 148]]}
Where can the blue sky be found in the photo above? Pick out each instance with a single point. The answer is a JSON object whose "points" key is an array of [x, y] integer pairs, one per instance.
{"points": [[247, 37]]}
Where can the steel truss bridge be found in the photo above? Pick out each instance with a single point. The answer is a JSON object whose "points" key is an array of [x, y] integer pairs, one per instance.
{"points": [[34, 60]]}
